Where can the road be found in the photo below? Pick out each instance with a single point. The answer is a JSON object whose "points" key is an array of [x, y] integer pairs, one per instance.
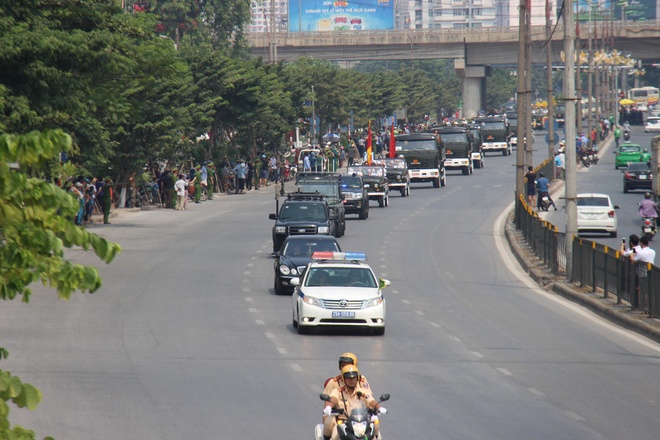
{"points": [[603, 178], [187, 339]]}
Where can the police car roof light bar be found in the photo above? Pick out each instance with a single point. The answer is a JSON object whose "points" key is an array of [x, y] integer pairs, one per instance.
{"points": [[340, 256]]}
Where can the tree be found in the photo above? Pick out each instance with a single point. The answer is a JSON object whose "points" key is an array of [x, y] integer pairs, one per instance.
{"points": [[35, 228]]}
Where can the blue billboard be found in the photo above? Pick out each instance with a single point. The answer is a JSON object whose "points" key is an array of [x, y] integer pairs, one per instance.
{"points": [[340, 15]]}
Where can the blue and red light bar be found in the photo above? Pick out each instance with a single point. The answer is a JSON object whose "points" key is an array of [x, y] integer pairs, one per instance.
{"points": [[340, 256]]}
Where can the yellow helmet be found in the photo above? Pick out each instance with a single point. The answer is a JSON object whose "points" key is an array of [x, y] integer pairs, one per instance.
{"points": [[348, 358], [350, 371]]}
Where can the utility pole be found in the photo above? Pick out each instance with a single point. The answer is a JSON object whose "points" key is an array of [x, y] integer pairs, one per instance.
{"points": [[578, 75], [526, 118], [550, 98], [520, 151], [313, 124], [590, 78], [569, 127]]}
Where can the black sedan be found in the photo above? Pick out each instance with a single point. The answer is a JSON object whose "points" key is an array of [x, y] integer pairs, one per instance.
{"points": [[637, 176], [294, 255]]}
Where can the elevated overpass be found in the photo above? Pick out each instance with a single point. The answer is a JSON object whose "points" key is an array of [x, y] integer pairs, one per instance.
{"points": [[472, 49]]}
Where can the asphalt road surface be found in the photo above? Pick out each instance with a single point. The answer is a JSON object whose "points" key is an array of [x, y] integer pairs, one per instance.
{"points": [[187, 339]]}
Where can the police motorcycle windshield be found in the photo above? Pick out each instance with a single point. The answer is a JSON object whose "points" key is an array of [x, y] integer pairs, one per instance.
{"points": [[358, 422]]}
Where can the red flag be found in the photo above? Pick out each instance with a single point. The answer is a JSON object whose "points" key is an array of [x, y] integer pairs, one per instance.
{"points": [[392, 140], [369, 144]]}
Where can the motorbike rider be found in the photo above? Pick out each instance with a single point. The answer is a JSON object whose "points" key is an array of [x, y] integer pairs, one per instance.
{"points": [[332, 383], [542, 183], [647, 207], [346, 398], [617, 135]]}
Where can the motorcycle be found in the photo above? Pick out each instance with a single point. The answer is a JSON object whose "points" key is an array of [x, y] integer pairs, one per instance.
{"points": [[649, 227], [361, 423], [626, 135], [544, 201]]}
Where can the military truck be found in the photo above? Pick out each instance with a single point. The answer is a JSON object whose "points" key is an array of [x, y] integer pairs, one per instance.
{"points": [[458, 147], [329, 185], [496, 134], [477, 138], [425, 157]]}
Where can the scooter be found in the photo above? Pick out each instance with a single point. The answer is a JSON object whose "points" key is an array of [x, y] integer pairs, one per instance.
{"points": [[544, 201], [626, 135], [361, 423], [649, 227]]}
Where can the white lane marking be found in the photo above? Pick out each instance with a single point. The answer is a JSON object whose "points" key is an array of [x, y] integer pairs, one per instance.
{"points": [[574, 416], [259, 251], [247, 272], [245, 289], [383, 274], [259, 322], [269, 335], [383, 266], [281, 350], [477, 354], [253, 258], [434, 324], [455, 338], [297, 368], [419, 312], [396, 292], [252, 310], [248, 299], [505, 372], [250, 264], [246, 280], [513, 266], [405, 301], [535, 392]]}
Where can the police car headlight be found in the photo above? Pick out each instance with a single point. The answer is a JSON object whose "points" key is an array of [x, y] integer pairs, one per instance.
{"points": [[374, 302], [280, 229], [359, 428], [311, 301], [284, 269], [323, 230]]}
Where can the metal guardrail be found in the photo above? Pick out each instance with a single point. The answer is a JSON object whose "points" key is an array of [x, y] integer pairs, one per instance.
{"points": [[594, 264]]}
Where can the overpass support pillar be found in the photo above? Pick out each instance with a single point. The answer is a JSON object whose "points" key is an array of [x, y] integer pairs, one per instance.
{"points": [[474, 86]]}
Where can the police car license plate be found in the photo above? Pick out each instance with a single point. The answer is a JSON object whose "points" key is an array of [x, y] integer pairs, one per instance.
{"points": [[343, 314]]}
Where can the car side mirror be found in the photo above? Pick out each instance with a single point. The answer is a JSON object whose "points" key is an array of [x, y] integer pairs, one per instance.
{"points": [[272, 216], [295, 281], [366, 185], [616, 207]]}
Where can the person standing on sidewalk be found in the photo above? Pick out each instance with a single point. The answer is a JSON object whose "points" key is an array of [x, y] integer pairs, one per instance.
{"points": [[531, 186], [560, 163], [241, 173], [106, 199], [180, 187]]}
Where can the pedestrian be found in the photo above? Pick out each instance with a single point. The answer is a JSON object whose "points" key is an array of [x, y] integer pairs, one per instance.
{"points": [[342, 157], [531, 186], [107, 199], [167, 183], [198, 186], [272, 168], [352, 153], [241, 173], [312, 161], [212, 178], [307, 164], [250, 175], [180, 187], [90, 200], [559, 165]]}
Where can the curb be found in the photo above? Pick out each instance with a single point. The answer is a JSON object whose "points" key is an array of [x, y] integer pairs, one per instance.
{"points": [[622, 316]]}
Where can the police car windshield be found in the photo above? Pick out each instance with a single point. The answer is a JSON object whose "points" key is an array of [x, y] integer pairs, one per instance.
{"points": [[340, 277]]}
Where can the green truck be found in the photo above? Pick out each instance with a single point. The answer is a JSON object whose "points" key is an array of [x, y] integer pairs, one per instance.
{"points": [[425, 156]]}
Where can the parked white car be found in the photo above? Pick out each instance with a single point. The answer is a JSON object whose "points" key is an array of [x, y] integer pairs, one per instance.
{"points": [[596, 213]]}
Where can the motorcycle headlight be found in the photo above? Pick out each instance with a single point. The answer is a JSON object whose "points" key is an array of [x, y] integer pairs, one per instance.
{"points": [[284, 269], [359, 428], [280, 229], [323, 230], [373, 302]]}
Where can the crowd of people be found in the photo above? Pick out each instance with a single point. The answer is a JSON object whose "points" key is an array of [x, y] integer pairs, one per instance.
{"points": [[94, 195]]}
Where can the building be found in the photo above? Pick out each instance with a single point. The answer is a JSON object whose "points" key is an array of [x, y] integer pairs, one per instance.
{"points": [[421, 14]]}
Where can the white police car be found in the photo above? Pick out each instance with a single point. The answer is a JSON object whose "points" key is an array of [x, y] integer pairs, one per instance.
{"points": [[339, 289]]}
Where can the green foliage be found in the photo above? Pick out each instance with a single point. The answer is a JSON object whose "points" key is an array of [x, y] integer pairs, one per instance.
{"points": [[36, 226]]}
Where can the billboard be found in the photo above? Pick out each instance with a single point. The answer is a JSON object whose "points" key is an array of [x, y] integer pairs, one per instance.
{"points": [[340, 15]]}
